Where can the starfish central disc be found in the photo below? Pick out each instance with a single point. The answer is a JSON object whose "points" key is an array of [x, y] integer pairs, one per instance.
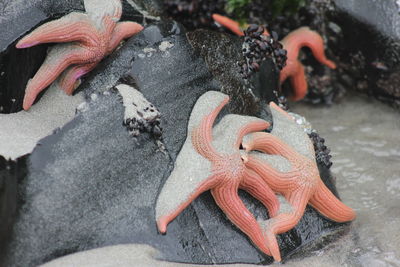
{"points": [[231, 166]]}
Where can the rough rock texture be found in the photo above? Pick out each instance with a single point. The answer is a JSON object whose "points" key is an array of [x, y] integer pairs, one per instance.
{"points": [[369, 57], [384, 15], [91, 184], [220, 52], [11, 173]]}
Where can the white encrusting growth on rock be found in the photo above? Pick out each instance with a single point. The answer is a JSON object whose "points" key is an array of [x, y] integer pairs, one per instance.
{"points": [[140, 114], [165, 45]]}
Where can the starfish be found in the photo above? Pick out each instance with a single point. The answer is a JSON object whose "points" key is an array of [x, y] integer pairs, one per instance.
{"points": [[212, 161], [295, 175], [86, 39], [282, 162], [293, 42]]}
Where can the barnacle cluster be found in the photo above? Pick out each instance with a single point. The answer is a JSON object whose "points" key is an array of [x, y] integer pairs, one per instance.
{"points": [[321, 151], [257, 47], [140, 114]]}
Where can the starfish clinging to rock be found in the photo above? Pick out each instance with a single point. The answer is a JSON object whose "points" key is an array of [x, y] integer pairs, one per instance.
{"points": [[281, 162], [87, 39], [295, 175], [212, 161], [293, 42]]}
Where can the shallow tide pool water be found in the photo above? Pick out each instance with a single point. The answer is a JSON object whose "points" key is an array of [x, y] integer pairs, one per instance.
{"points": [[364, 136]]}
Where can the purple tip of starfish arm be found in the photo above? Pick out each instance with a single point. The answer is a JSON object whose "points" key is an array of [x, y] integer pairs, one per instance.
{"points": [[22, 44]]}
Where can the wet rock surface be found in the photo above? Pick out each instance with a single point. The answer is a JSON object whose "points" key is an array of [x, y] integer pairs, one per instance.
{"points": [[91, 184], [11, 173], [369, 53]]}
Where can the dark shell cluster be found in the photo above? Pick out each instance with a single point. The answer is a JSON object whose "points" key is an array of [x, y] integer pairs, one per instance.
{"points": [[257, 47], [321, 151], [137, 126]]}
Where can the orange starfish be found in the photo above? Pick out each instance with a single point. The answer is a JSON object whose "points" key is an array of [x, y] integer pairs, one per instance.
{"points": [[212, 161], [88, 37], [293, 43], [299, 183]]}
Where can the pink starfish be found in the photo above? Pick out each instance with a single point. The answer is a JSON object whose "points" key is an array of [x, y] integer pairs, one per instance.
{"points": [[210, 159], [293, 43], [299, 182], [87, 39], [294, 70], [213, 162]]}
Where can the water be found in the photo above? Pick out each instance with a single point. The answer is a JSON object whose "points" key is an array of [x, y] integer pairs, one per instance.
{"points": [[364, 136]]}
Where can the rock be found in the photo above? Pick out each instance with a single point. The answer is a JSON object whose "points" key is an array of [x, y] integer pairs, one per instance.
{"points": [[385, 16], [369, 46], [11, 173], [91, 184], [222, 53]]}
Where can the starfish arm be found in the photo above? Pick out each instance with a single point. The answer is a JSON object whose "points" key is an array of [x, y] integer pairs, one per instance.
{"points": [[165, 215], [276, 180], [229, 132], [228, 200], [299, 84], [253, 184], [228, 23], [267, 143], [57, 60], [303, 36], [68, 81], [202, 134], [283, 222], [72, 27], [122, 31], [329, 206], [211, 100]]}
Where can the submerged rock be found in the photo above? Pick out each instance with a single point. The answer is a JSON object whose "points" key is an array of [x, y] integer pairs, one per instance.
{"points": [[91, 184]]}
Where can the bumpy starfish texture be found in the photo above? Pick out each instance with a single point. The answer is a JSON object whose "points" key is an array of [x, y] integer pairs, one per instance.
{"points": [[282, 162], [293, 42], [295, 176], [87, 39], [212, 161]]}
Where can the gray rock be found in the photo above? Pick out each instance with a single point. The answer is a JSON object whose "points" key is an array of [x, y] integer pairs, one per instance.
{"points": [[384, 15], [369, 47]]}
